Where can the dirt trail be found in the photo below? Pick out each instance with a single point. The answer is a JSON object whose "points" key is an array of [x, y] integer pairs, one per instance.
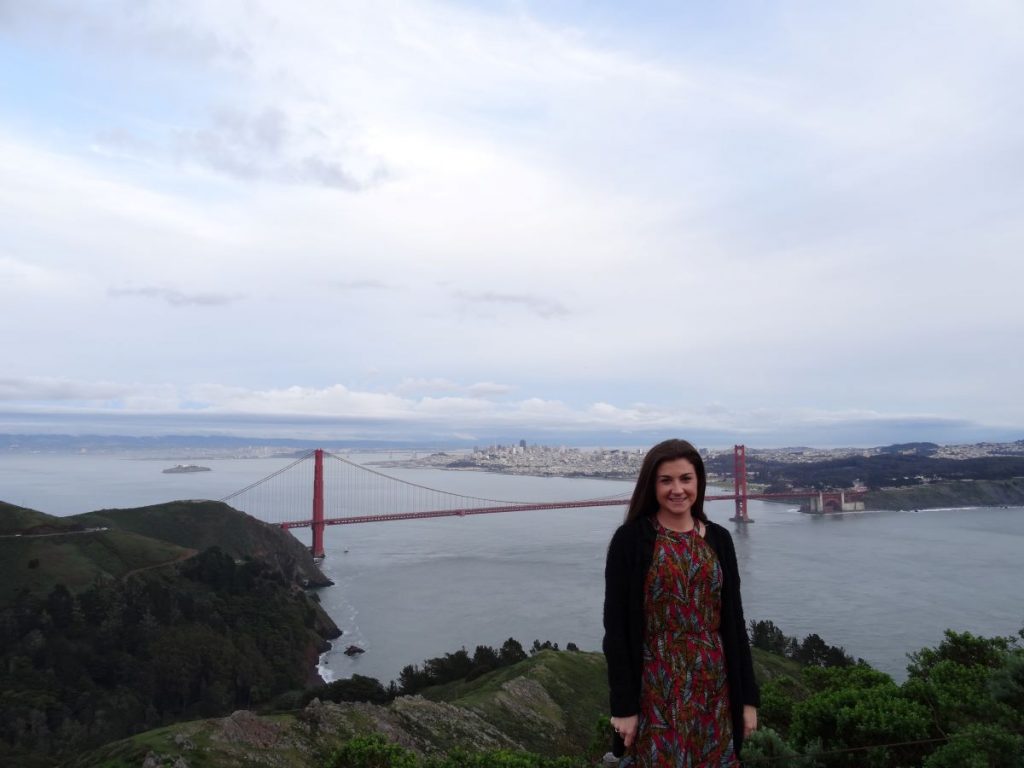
{"points": [[180, 559]]}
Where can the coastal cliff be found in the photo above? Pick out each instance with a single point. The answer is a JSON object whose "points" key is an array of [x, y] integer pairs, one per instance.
{"points": [[122, 620], [961, 493]]}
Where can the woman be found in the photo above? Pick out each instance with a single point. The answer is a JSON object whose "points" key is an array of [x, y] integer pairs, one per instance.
{"points": [[680, 673]]}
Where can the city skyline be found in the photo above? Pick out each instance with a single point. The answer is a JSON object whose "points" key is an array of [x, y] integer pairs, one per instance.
{"points": [[777, 225]]}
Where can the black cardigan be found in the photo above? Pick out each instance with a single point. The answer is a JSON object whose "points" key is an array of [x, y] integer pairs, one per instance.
{"points": [[629, 557]]}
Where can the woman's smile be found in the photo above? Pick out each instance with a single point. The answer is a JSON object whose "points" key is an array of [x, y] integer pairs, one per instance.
{"points": [[675, 488]]}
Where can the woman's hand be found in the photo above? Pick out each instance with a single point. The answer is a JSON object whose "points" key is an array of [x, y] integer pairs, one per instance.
{"points": [[626, 728], [749, 720]]}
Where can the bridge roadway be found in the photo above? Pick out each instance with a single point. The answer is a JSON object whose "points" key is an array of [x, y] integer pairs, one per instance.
{"points": [[514, 508]]}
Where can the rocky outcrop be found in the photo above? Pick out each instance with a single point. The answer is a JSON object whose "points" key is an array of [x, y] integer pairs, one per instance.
{"points": [[435, 726], [245, 728], [547, 704]]}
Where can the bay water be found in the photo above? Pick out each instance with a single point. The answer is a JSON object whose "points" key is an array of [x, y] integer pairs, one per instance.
{"points": [[881, 584]]}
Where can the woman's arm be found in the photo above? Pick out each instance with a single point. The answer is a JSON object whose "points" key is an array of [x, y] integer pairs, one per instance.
{"points": [[751, 694], [624, 691], [626, 728], [749, 720]]}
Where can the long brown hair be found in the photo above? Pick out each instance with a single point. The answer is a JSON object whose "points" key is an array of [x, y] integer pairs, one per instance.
{"points": [[644, 502]]}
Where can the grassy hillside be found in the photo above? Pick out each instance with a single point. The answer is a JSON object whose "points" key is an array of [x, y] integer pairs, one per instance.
{"points": [[39, 551], [770, 666], [20, 520], [548, 704], [76, 560], [203, 524], [962, 493]]}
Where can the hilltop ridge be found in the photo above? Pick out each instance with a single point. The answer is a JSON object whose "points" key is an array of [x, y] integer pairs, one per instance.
{"points": [[41, 550]]}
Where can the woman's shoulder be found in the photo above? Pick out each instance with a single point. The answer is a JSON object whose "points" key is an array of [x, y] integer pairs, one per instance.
{"points": [[632, 530], [718, 535]]}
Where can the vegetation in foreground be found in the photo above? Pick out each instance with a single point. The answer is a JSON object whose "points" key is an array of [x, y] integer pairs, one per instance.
{"points": [[962, 705]]}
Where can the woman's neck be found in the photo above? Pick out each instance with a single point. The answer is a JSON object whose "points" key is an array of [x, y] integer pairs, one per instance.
{"points": [[679, 523]]}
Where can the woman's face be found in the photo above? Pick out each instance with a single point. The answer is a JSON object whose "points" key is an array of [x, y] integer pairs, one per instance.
{"points": [[675, 488]]}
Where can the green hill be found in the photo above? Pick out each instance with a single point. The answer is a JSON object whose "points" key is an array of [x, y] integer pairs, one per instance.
{"points": [[78, 559], [548, 704], [771, 666], [200, 525], [15, 520], [118, 620], [39, 551], [961, 493]]}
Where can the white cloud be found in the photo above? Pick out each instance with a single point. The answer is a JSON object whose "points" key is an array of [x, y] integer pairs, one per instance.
{"points": [[345, 413], [420, 200], [177, 298], [489, 389], [44, 389], [426, 386]]}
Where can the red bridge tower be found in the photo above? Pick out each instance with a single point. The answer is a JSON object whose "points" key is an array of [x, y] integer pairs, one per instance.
{"points": [[318, 505], [739, 464]]}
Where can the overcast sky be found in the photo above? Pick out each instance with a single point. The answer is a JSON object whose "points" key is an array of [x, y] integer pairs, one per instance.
{"points": [[777, 223]]}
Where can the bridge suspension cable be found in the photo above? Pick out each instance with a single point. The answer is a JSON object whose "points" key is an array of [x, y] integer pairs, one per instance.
{"points": [[310, 492], [411, 484], [268, 478]]}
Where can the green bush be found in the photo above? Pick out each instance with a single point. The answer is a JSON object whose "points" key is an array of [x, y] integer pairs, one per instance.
{"points": [[979, 746], [850, 717], [500, 758], [765, 748], [373, 751]]}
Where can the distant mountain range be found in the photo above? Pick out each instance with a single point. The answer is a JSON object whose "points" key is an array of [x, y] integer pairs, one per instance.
{"points": [[178, 444]]}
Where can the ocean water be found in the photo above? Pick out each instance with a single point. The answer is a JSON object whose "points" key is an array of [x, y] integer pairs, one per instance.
{"points": [[881, 584]]}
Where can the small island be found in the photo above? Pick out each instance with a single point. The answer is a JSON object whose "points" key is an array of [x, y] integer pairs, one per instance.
{"points": [[183, 468]]}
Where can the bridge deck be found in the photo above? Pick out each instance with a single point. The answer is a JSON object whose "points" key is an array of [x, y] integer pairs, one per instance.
{"points": [[513, 508]]}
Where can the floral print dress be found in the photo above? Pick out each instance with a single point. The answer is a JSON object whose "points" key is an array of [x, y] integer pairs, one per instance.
{"points": [[685, 720]]}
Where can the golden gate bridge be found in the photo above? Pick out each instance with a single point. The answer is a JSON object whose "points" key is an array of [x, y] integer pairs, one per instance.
{"points": [[322, 488]]}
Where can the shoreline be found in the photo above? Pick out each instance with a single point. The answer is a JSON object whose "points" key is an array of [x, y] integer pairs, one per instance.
{"points": [[960, 494], [497, 470]]}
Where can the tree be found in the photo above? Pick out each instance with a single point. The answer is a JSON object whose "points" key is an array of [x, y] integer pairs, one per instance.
{"points": [[511, 652], [451, 666], [858, 708], [547, 645], [485, 659], [355, 688], [412, 679], [768, 637], [1007, 683], [961, 648], [979, 745]]}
